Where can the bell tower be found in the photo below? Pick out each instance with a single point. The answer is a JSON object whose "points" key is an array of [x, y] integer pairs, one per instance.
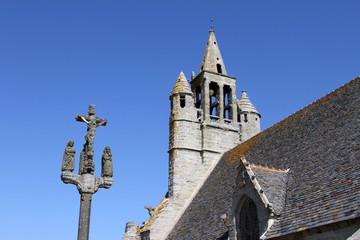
{"points": [[206, 119]]}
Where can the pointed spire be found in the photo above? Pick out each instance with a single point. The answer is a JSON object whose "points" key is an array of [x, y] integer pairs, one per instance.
{"points": [[212, 59], [181, 85], [245, 104]]}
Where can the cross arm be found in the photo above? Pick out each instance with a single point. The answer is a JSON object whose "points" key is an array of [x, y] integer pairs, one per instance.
{"points": [[81, 118], [101, 121]]}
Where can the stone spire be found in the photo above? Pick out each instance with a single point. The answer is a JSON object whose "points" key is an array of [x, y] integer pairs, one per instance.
{"points": [[212, 60], [181, 85], [245, 104]]}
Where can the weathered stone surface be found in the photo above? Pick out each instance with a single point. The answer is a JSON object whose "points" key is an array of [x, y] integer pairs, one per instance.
{"points": [[68, 162], [86, 183], [130, 231], [106, 162], [87, 163]]}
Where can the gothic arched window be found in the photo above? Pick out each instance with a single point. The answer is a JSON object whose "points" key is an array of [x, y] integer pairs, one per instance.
{"points": [[248, 225], [218, 67], [182, 101]]}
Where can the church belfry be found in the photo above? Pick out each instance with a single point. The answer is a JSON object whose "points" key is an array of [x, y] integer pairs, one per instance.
{"points": [[215, 91]]}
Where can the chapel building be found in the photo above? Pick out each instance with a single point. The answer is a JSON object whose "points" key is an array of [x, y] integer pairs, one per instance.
{"points": [[299, 179]]}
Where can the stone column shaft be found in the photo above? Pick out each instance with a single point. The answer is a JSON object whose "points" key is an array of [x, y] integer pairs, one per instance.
{"points": [[233, 106], [206, 100], [84, 216], [221, 103]]}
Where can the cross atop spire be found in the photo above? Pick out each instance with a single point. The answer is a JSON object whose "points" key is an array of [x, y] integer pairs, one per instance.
{"points": [[212, 28]]}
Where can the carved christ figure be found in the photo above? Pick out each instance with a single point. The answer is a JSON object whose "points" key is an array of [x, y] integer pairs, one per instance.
{"points": [[92, 123], [86, 157]]}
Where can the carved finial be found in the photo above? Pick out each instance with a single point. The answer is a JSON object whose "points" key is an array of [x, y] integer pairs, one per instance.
{"points": [[151, 210], [212, 28], [92, 109]]}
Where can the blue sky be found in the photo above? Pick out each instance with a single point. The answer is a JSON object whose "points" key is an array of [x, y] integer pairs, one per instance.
{"points": [[57, 57]]}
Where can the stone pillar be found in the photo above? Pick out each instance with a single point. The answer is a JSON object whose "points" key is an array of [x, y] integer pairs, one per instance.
{"points": [[234, 106], [221, 103], [206, 100]]}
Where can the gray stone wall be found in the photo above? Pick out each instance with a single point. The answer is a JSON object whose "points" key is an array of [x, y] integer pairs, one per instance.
{"points": [[183, 163], [219, 137], [185, 135]]}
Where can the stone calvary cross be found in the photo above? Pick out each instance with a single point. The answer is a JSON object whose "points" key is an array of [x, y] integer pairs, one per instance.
{"points": [[85, 181]]}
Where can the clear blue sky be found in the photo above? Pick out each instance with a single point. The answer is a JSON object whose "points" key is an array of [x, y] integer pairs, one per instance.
{"points": [[57, 57]]}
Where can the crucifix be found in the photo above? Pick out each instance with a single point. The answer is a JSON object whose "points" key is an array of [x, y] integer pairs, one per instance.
{"points": [[86, 183]]}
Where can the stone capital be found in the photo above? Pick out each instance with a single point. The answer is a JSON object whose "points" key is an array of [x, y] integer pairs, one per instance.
{"points": [[86, 183]]}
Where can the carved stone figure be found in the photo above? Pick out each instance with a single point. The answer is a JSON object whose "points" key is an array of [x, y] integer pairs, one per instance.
{"points": [[82, 160], [92, 122], [107, 165], [68, 161]]}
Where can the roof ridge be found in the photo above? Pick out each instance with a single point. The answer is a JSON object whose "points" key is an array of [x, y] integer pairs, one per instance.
{"points": [[269, 168], [239, 150], [321, 99]]}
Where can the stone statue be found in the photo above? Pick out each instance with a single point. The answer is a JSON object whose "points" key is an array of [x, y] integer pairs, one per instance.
{"points": [[68, 161], [86, 161], [107, 165]]}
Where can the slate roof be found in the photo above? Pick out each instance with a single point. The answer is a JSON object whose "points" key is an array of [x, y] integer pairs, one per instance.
{"points": [[320, 145]]}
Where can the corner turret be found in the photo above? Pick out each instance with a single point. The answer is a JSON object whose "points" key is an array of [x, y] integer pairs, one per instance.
{"points": [[184, 138], [249, 117], [182, 100]]}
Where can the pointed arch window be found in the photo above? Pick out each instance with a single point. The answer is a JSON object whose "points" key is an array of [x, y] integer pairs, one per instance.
{"points": [[248, 222], [227, 102], [198, 97], [214, 101], [218, 67], [182, 101]]}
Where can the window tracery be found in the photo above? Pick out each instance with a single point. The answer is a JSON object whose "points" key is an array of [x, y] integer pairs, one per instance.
{"points": [[248, 222]]}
